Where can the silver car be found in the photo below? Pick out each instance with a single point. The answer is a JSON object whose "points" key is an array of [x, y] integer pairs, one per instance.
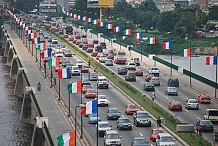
{"points": [[171, 91], [124, 123], [155, 81], [111, 138], [192, 104], [93, 76]]}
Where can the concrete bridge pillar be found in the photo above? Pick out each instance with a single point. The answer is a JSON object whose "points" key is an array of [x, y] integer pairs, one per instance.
{"points": [[28, 113], [4, 40], [38, 138], [10, 56], [20, 84], [14, 68], [2, 34], [7, 47]]}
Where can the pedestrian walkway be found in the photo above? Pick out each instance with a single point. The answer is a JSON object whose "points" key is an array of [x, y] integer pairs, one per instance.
{"points": [[46, 99]]}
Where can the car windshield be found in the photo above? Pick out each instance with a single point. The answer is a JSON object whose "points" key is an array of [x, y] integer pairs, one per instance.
{"points": [[85, 80], [75, 68], [207, 97], [142, 115], [113, 111], [132, 107], [166, 139], [124, 120], [172, 88], [79, 62], [157, 131], [206, 122], [139, 141], [91, 91], [103, 80], [93, 74], [102, 97], [105, 125], [93, 115], [112, 136], [87, 86]]}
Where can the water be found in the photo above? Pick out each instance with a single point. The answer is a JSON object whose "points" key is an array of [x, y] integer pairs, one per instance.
{"points": [[198, 65], [12, 131]]}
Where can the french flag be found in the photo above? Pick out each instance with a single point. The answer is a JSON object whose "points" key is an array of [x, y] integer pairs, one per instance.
{"points": [[211, 60], [64, 73], [91, 108], [101, 24], [117, 29], [167, 45], [138, 35], [46, 53], [89, 19]]}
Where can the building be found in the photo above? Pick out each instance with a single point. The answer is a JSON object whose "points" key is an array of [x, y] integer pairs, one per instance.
{"points": [[47, 6], [71, 3]]}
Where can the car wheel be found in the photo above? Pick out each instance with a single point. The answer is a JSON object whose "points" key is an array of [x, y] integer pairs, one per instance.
{"points": [[130, 128], [181, 109], [136, 124]]}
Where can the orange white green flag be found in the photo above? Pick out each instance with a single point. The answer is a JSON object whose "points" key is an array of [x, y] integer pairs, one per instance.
{"points": [[67, 139]]}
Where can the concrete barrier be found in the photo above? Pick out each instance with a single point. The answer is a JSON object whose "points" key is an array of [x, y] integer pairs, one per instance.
{"points": [[185, 128]]}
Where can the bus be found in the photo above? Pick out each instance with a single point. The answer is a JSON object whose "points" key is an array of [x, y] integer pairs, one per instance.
{"points": [[120, 57], [54, 25]]}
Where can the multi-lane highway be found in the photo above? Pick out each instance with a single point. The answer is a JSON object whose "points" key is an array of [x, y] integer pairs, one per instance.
{"points": [[119, 101], [188, 116]]}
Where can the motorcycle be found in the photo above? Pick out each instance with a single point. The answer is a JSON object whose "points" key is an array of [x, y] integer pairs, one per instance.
{"points": [[39, 87]]}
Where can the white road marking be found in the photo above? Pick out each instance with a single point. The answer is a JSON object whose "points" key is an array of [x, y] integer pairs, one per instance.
{"points": [[186, 97], [151, 144], [122, 115], [165, 96], [186, 110], [157, 91], [199, 118], [141, 134]]}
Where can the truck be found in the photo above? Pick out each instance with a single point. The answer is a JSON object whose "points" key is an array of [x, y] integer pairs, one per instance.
{"points": [[211, 114], [120, 57]]}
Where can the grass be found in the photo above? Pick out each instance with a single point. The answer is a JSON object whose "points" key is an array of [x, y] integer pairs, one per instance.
{"points": [[190, 138]]}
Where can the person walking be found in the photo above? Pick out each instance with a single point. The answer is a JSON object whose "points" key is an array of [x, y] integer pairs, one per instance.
{"points": [[95, 69], [89, 63], [54, 79], [153, 96], [158, 122]]}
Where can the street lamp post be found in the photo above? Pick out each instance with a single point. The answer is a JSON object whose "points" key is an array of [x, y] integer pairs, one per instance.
{"points": [[82, 106], [97, 114], [81, 102], [216, 44], [69, 101]]}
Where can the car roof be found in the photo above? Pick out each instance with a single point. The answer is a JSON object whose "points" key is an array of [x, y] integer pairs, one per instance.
{"points": [[142, 112], [111, 132], [139, 138], [103, 122], [101, 77], [212, 109], [123, 118], [164, 134]]}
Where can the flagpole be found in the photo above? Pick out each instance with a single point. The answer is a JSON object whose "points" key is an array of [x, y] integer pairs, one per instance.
{"points": [[29, 42], [216, 69], [97, 114], [32, 48], [40, 60], [81, 101], [51, 76], [171, 60], [190, 71], [59, 88], [69, 102], [26, 40], [36, 53]]}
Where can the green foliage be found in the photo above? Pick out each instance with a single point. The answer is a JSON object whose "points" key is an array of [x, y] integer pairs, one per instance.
{"points": [[25, 5]]}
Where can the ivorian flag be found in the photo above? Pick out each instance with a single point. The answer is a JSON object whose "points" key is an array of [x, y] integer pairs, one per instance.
{"points": [[109, 26], [40, 46], [67, 139], [127, 32], [54, 61], [75, 87], [64, 73], [151, 41], [186, 53]]}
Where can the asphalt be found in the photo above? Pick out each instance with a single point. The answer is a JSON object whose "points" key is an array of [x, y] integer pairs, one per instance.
{"points": [[57, 122]]}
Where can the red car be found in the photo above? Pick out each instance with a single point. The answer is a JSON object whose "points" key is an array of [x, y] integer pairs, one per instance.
{"points": [[138, 73], [204, 99], [65, 35], [154, 133], [90, 45], [131, 109], [110, 56], [84, 41], [175, 105], [90, 93], [71, 39], [86, 87], [98, 56], [85, 69], [94, 54], [148, 77], [78, 42]]}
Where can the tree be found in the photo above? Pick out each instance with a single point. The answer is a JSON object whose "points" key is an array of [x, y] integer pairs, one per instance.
{"points": [[25, 5], [201, 18]]}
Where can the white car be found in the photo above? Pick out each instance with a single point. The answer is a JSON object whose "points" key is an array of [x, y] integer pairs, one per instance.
{"points": [[103, 100], [79, 63], [112, 137], [154, 70], [131, 66], [75, 70], [165, 139], [102, 127], [103, 58], [192, 104]]}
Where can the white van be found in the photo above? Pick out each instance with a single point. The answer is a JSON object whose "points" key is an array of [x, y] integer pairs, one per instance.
{"points": [[55, 42], [102, 82], [211, 114]]}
